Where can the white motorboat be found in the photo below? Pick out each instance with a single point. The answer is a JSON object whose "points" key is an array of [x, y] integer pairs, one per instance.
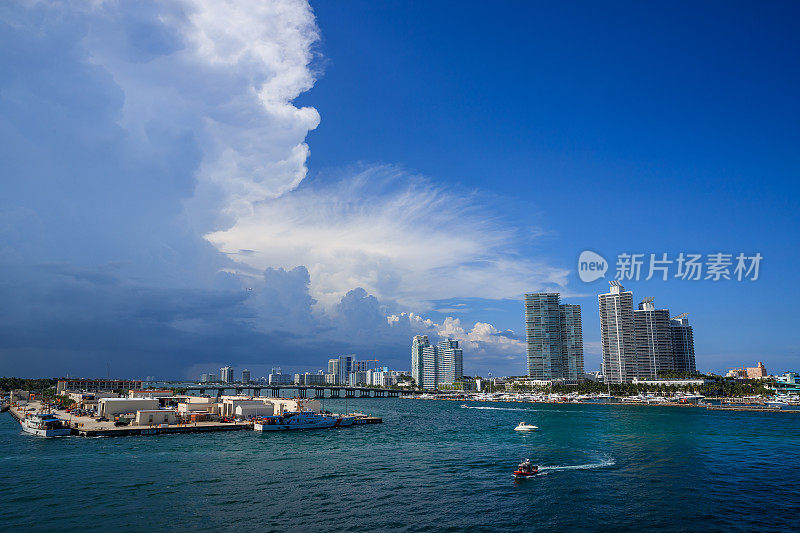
{"points": [[522, 426], [45, 425], [302, 420], [778, 404]]}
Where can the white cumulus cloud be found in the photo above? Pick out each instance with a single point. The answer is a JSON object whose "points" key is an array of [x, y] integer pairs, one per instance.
{"points": [[485, 347], [227, 70]]}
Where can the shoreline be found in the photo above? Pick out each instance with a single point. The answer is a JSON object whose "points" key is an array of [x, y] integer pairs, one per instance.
{"points": [[729, 406]]}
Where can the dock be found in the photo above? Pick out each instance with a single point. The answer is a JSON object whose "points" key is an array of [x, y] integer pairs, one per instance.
{"points": [[89, 427], [752, 408]]}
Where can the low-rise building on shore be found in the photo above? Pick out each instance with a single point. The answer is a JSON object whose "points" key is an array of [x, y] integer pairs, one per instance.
{"points": [[155, 417], [96, 385], [110, 407]]}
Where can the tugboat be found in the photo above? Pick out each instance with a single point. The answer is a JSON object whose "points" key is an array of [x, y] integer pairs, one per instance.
{"points": [[526, 469]]}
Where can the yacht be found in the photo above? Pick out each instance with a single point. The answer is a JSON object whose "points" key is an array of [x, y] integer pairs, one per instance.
{"points": [[45, 425], [302, 420], [778, 402], [522, 426]]}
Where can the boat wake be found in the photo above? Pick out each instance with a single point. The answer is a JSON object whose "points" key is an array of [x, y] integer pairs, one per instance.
{"points": [[589, 466], [514, 409]]}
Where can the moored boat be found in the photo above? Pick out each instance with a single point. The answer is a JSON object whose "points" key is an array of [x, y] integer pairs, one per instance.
{"points": [[302, 420], [45, 425]]}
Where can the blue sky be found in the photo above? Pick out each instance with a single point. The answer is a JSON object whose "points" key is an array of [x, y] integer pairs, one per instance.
{"points": [[188, 185]]}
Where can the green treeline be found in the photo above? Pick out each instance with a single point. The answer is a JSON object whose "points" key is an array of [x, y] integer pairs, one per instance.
{"points": [[721, 387], [33, 385]]}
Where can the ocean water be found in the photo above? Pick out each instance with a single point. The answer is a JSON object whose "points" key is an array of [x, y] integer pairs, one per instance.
{"points": [[431, 466]]}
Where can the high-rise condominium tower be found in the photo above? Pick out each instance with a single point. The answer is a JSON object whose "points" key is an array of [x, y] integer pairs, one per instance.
{"points": [[643, 343], [617, 334], [417, 345], [653, 340], [682, 344], [226, 374], [450, 363], [434, 365], [555, 337]]}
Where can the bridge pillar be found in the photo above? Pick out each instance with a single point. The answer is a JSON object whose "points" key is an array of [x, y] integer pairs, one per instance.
{"points": [[276, 392], [334, 393], [302, 392]]}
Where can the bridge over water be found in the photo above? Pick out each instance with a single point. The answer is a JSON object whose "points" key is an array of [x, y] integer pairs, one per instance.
{"points": [[303, 391]]}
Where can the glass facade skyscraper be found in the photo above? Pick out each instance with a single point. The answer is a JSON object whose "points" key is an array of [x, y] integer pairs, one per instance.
{"points": [[554, 336], [682, 344], [417, 345]]}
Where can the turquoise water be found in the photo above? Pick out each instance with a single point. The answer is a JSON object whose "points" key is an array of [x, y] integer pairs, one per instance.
{"points": [[431, 466]]}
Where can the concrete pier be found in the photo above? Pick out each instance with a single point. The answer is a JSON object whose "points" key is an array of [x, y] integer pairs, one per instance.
{"points": [[89, 427]]}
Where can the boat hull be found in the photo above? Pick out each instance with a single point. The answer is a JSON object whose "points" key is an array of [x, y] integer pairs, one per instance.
{"points": [[61, 432], [323, 423]]}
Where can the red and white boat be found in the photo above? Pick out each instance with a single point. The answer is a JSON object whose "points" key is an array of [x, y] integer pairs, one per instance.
{"points": [[526, 469]]}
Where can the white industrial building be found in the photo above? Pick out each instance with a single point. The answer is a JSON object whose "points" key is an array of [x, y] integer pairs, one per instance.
{"points": [[198, 404], [246, 411], [155, 417], [110, 407]]}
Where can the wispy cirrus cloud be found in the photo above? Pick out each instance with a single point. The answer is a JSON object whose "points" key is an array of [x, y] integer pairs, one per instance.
{"points": [[396, 234]]}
